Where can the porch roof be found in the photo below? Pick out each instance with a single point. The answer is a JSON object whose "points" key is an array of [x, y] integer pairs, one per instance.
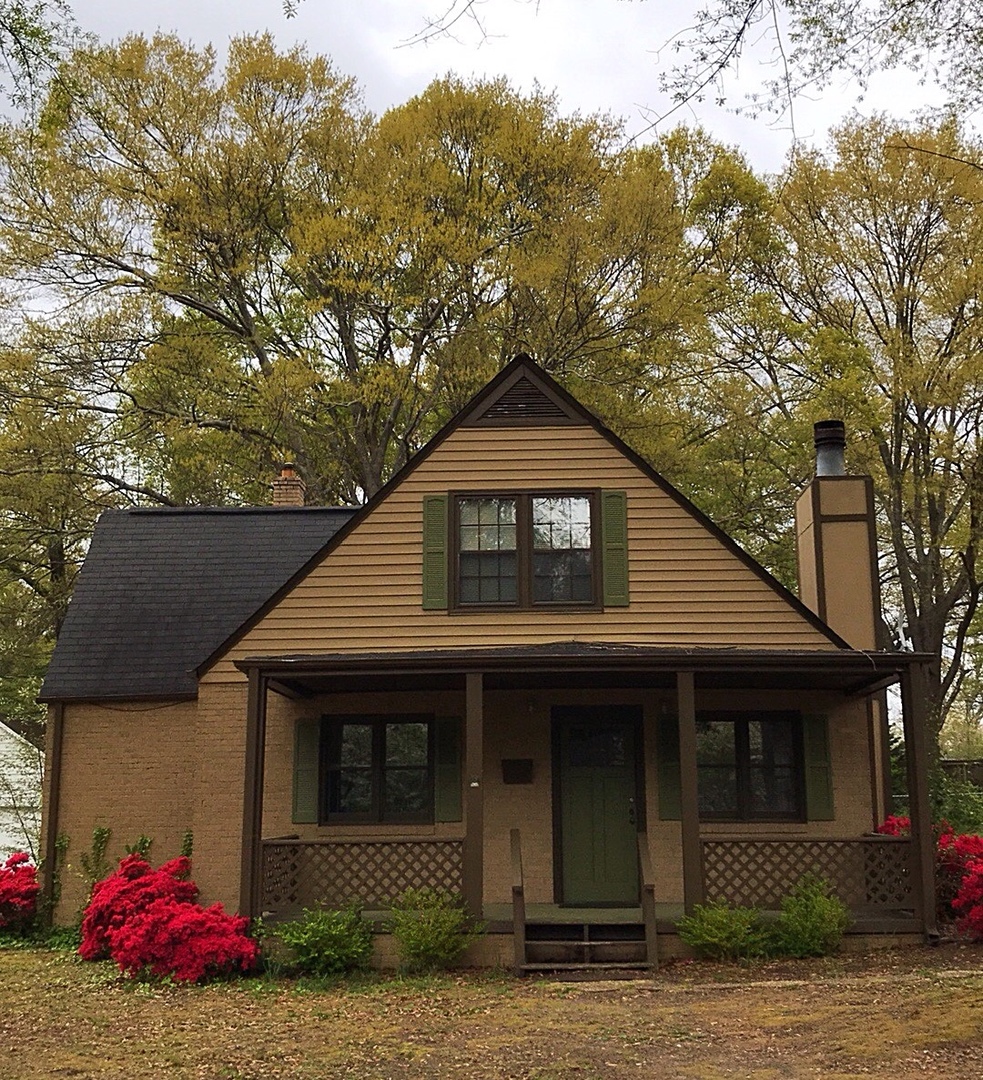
{"points": [[585, 664]]}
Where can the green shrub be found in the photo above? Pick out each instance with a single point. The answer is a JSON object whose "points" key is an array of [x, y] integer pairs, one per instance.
{"points": [[811, 922], [431, 929], [328, 942], [717, 931]]}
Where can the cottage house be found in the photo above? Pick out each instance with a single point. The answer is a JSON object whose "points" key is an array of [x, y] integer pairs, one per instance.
{"points": [[528, 670]]}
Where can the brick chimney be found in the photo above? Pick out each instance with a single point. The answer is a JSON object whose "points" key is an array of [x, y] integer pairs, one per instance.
{"points": [[289, 488]]}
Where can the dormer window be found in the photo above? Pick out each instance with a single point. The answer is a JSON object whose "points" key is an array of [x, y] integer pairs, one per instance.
{"points": [[525, 550]]}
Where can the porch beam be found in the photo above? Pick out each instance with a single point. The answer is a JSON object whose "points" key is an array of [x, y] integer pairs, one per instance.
{"points": [[689, 800], [915, 720], [250, 887], [474, 795]]}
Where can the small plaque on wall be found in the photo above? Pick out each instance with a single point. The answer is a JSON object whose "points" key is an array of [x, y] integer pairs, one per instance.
{"points": [[516, 770]]}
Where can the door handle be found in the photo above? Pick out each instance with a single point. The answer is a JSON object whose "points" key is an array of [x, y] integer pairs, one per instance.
{"points": [[631, 811]]}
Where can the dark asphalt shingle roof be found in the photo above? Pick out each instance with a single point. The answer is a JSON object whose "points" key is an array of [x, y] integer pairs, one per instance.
{"points": [[161, 590]]}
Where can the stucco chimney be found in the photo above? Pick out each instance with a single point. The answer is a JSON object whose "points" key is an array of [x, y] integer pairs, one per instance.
{"points": [[289, 488], [836, 543]]}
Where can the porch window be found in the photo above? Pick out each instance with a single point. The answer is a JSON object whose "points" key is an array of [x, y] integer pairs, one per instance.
{"points": [[525, 550], [750, 766], [378, 769]]}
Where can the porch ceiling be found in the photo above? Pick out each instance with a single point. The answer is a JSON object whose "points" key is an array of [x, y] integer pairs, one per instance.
{"points": [[580, 665]]}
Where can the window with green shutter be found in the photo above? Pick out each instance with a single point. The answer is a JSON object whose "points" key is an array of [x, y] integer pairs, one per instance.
{"points": [[614, 547], [377, 768], [818, 770], [750, 766], [307, 759], [435, 552], [667, 751], [491, 550]]}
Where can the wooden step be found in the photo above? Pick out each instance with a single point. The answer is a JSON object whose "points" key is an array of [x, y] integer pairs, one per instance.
{"points": [[584, 951], [632, 966], [570, 946]]}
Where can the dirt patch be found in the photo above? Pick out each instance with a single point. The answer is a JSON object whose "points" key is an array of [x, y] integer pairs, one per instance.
{"points": [[914, 1012]]}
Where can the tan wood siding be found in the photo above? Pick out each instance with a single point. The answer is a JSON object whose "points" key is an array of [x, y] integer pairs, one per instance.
{"points": [[686, 587]]}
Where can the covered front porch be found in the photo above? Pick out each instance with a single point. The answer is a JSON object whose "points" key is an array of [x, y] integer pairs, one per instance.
{"points": [[508, 862]]}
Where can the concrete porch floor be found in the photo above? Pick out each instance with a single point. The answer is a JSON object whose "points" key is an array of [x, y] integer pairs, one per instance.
{"points": [[499, 917]]}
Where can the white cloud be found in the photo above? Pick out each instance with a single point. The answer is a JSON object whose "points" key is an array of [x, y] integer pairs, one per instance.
{"points": [[599, 55]]}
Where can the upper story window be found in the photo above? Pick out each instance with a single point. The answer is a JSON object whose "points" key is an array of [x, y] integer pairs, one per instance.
{"points": [[493, 550], [525, 550]]}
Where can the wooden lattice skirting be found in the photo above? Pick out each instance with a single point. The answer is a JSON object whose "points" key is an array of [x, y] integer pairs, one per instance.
{"points": [[299, 874], [867, 873]]}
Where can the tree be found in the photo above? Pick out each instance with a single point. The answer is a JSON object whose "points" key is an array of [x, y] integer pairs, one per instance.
{"points": [[880, 274], [343, 282], [33, 35], [814, 40]]}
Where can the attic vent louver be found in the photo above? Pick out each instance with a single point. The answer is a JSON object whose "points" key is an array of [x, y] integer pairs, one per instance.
{"points": [[523, 401], [523, 395]]}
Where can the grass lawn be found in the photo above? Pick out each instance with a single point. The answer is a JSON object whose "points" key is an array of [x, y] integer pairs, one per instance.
{"points": [[914, 1012]]}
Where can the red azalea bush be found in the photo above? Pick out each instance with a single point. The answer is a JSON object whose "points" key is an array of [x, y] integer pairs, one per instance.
{"points": [[149, 921], [895, 826], [968, 903], [19, 889], [958, 872], [955, 853], [184, 941], [129, 889]]}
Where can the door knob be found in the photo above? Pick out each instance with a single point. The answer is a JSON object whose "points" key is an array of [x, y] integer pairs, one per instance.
{"points": [[631, 811]]}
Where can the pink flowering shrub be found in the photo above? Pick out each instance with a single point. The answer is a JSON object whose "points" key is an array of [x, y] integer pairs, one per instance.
{"points": [[149, 921], [968, 903], [895, 826], [957, 851], [958, 873], [184, 941], [129, 889], [19, 889]]}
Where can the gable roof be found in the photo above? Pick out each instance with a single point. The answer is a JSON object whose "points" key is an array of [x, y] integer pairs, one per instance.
{"points": [[161, 589], [524, 394]]}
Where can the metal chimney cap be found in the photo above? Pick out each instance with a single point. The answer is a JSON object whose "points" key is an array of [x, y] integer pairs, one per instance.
{"points": [[829, 432], [830, 440]]}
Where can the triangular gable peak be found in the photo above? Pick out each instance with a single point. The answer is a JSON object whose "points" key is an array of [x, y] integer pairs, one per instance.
{"points": [[369, 574], [523, 395]]}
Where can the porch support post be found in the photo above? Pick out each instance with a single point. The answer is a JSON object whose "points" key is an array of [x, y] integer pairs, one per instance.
{"points": [[693, 891], [915, 720], [474, 795], [250, 891], [54, 744]]}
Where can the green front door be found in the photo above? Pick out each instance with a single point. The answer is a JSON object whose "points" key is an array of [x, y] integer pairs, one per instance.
{"points": [[598, 797]]}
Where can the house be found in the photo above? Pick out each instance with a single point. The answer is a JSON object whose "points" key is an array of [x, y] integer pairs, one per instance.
{"points": [[20, 793], [528, 669]]}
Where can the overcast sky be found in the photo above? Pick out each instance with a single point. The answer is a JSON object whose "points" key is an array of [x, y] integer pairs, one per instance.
{"points": [[598, 55]]}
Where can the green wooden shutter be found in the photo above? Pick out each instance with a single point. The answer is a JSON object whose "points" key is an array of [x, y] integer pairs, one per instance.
{"points": [[818, 770], [435, 552], [307, 749], [667, 739], [614, 547], [447, 769]]}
